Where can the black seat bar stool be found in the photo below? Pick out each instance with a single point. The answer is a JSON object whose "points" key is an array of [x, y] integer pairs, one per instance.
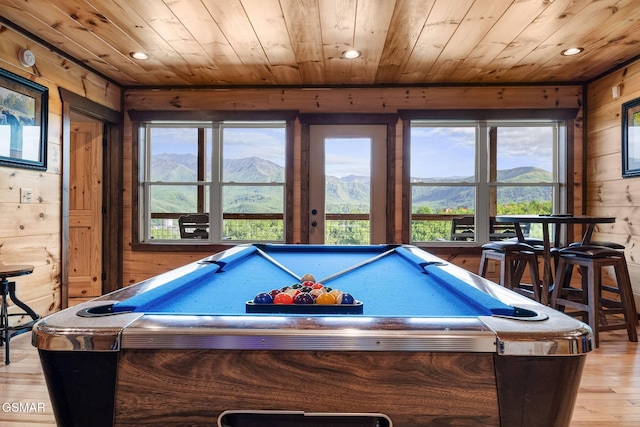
{"points": [[589, 301], [8, 290]]}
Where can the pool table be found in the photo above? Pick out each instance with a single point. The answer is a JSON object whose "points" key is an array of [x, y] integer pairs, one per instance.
{"points": [[429, 344]]}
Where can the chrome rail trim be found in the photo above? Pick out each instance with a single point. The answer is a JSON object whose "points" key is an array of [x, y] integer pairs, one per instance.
{"points": [[340, 333], [337, 340], [66, 331], [550, 347]]}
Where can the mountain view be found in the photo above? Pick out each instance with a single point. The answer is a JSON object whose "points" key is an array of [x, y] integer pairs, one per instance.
{"points": [[346, 194]]}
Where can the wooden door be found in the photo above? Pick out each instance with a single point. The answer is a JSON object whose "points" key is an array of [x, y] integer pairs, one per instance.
{"points": [[85, 210]]}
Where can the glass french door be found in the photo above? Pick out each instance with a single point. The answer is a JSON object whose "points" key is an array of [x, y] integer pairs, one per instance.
{"points": [[347, 184]]}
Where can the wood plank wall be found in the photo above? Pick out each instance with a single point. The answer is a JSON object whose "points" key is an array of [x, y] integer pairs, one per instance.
{"points": [[607, 192], [31, 233], [141, 265]]}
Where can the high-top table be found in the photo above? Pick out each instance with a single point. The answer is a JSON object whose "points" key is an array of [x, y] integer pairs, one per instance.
{"points": [[8, 290], [558, 220]]}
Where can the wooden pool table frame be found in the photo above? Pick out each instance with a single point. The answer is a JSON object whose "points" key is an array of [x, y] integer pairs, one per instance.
{"points": [[150, 369]]}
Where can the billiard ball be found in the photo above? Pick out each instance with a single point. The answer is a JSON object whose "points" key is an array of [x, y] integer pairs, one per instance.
{"points": [[307, 283], [317, 286], [316, 292], [274, 292], [308, 277], [306, 289], [303, 298], [283, 298], [292, 292], [296, 286], [263, 298], [345, 299], [335, 292], [325, 298]]}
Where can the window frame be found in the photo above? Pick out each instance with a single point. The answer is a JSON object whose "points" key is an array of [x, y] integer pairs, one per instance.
{"points": [[217, 199], [562, 118], [210, 118]]}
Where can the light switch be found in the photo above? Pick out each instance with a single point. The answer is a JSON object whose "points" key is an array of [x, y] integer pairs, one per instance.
{"points": [[25, 195]]}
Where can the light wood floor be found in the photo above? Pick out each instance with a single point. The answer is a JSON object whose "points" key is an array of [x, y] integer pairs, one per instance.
{"points": [[609, 392]]}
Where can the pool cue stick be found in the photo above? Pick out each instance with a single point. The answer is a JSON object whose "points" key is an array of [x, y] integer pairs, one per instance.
{"points": [[356, 266], [277, 264]]}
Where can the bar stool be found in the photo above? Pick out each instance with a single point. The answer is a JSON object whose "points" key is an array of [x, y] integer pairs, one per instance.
{"points": [[514, 257], [8, 290], [588, 301]]}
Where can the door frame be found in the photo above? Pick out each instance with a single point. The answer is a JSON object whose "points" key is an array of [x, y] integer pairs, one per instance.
{"points": [[111, 190], [317, 171], [306, 121]]}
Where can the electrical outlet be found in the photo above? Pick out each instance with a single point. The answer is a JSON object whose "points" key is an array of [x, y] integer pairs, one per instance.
{"points": [[25, 195]]}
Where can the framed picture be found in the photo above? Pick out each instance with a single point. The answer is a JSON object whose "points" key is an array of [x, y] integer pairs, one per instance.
{"points": [[23, 122], [631, 138]]}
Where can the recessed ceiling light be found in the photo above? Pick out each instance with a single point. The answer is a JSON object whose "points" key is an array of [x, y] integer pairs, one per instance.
{"points": [[139, 55], [572, 51], [351, 54]]}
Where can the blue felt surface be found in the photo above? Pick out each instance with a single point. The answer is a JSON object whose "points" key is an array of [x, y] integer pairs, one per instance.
{"points": [[396, 285], [154, 299]]}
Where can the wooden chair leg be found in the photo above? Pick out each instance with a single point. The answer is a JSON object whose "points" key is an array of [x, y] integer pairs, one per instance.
{"points": [[626, 299], [540, 294], [484, 265], [506, 276], [561, 272], [593, 276]]}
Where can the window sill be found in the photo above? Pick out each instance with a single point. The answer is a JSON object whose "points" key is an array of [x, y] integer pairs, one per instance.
{"points": [[182, 247]]}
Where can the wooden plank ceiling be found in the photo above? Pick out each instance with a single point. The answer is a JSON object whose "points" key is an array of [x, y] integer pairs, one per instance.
{"points": [[300, 42]]}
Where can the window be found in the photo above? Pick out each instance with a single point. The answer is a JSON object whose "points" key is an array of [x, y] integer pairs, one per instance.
{"points": [[464, 173], [211, 182]]}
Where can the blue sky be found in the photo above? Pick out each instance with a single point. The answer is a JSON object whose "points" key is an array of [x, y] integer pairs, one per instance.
{"points": [[348, 157], [443, 152], [436, 152], [266, 143]]}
